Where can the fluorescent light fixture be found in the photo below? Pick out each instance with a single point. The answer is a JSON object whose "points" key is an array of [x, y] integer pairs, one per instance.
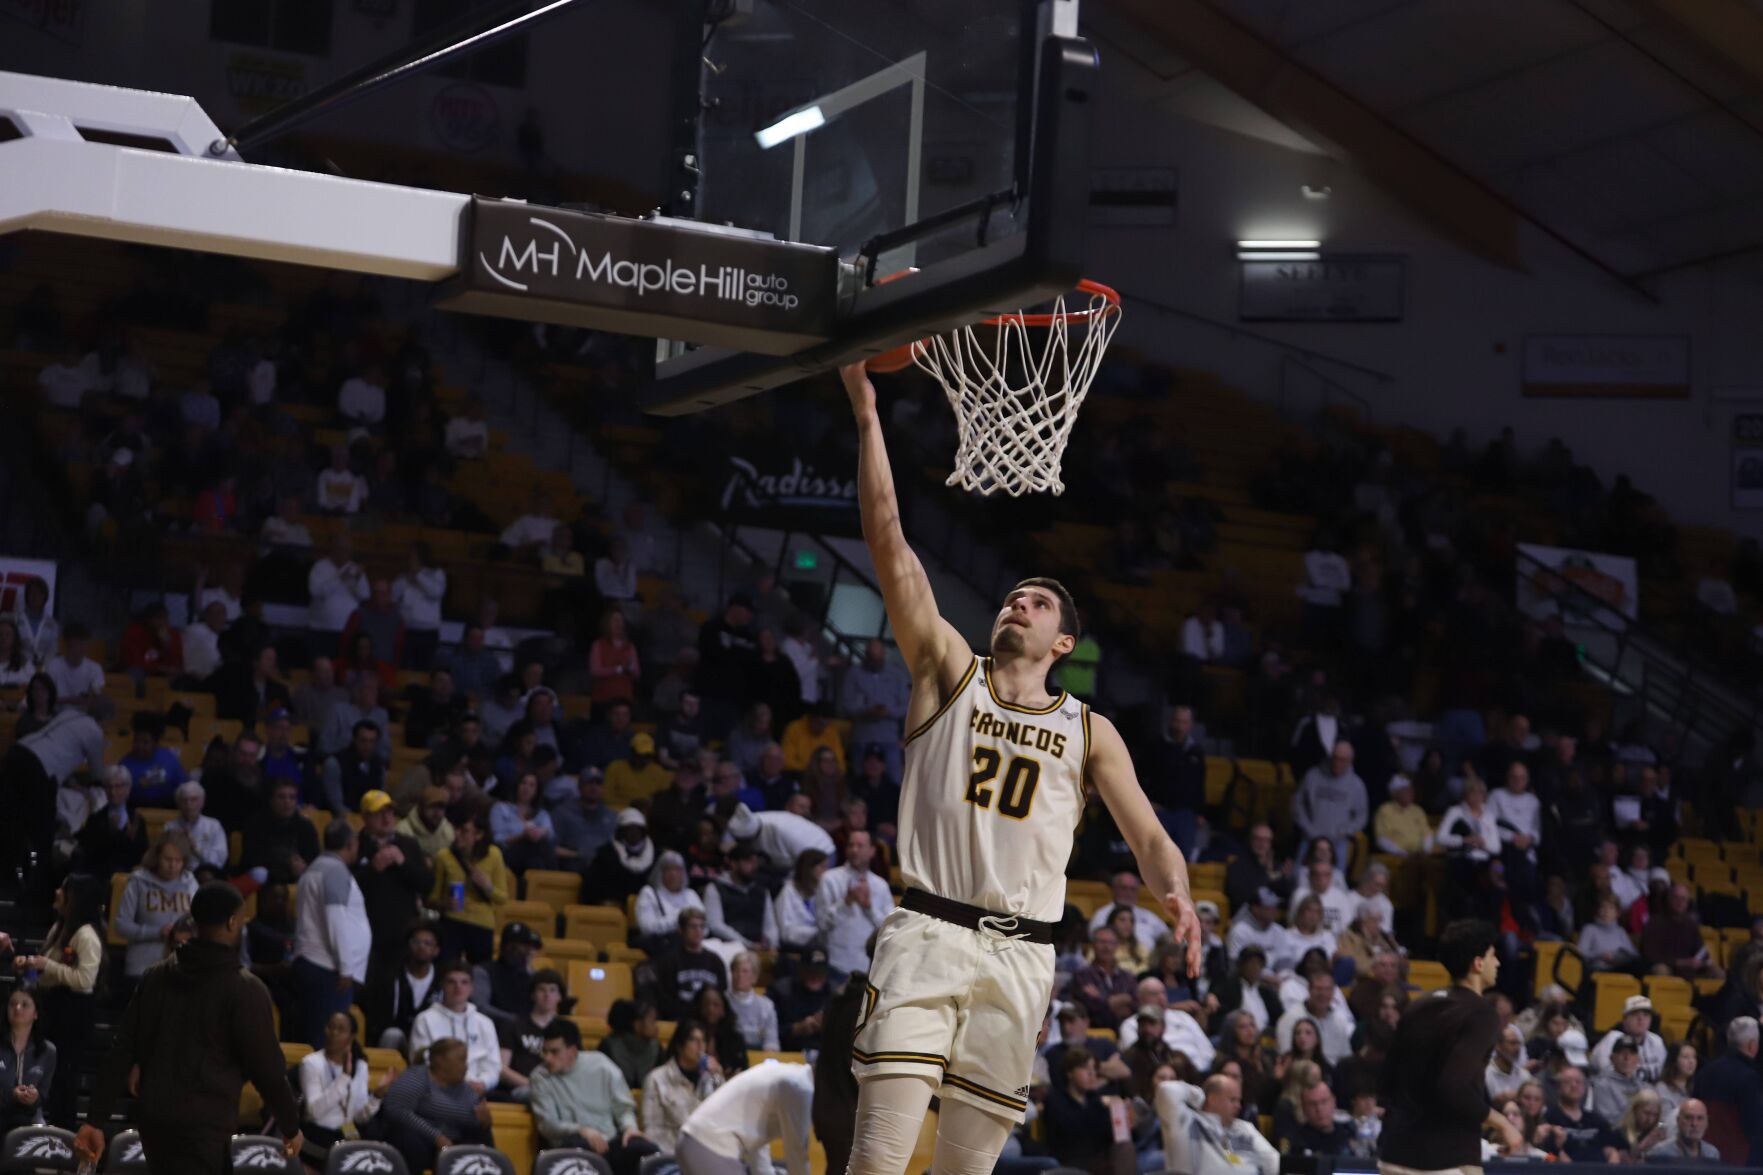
{"points": [[1258, 245], [797, 122], [1280, 255]]}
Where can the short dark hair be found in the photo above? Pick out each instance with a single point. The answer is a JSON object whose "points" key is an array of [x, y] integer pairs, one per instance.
{"points": [[564, 1030], [452, 967], [337, 835], [215, 904], [549, 975], [365, 724], [1462, 943], [1069, 620], [1075, 1058]]}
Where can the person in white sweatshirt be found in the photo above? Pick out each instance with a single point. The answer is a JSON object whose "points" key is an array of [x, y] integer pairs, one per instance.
{"points": [[1519, 814], [1202, 1134], [418, 592], [457, 1018], [660, 903], [208, 840], [732, 1131]]}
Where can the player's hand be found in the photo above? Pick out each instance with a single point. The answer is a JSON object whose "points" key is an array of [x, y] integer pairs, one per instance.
{"points": [[858, 387], [1187, 929], [291, 1146], [89, 1143]]}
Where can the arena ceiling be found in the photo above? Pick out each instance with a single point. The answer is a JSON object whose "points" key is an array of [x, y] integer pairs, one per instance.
{"points": [[1631, 130]]}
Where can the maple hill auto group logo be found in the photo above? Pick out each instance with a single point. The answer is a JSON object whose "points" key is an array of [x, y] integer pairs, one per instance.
{"points": [[552, 254]]}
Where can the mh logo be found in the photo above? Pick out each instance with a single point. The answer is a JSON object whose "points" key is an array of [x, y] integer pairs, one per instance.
{"points": [[366, 1162], [45, 1146], [267, 1158]]}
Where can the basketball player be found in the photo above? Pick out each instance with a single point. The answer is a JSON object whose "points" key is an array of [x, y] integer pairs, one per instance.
{"points": [[993, 790]]}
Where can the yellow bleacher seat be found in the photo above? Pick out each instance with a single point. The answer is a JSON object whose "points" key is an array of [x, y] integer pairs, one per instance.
{"points": [[537, 915], [618, 952], [596, 985], [381, 1062], [516, 1135], [555, 887], [360, 1018], [1219, 772], [292, 1052], [155, 820], [320, 818], [755, 1056], [1427, 975], [1209, 875], [1707, 987], [1675, 1022], [1668, 991], [601, 924], [562, 950], [1612, 989], [1557, 956]]}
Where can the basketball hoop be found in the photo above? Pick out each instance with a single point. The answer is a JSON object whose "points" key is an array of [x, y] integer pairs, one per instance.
{"points": [[1015, 402]]}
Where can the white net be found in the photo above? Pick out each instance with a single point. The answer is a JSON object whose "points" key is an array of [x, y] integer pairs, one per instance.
{"points": [[1016, 398]]}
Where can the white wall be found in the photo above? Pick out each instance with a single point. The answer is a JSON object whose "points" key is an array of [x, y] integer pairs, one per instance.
{"points": [[1456, 357]]}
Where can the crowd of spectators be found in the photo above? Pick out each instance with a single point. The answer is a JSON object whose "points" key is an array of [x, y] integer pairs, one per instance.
{"points": [[734, 783]]}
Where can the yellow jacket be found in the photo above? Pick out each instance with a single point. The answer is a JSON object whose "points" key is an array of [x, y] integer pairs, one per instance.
{"points": [[480, 910], [799, 744]]}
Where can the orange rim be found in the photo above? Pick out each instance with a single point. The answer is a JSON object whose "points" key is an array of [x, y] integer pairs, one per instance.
{"points": [[896, 358], [1111, 305]]}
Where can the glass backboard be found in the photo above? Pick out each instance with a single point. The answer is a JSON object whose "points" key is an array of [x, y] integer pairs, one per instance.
{"points": [[831, 122]]}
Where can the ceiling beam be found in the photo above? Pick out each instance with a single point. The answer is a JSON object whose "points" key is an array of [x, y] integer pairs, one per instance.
{"points": [[1457, 204], [1731, 29], [1263, 73]]}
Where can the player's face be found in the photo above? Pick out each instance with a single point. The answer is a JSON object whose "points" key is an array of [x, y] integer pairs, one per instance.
{"points": [[1028, 625]]}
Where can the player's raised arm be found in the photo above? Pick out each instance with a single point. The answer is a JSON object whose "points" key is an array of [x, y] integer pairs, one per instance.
{"points": [[1160, 861], [927, 641]]}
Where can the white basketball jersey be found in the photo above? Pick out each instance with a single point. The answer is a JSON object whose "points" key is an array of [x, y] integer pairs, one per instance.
{"points": [[991, 799]]}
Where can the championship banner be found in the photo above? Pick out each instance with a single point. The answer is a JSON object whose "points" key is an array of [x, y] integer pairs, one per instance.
{"points": [[1608, 585], [15, 573]]}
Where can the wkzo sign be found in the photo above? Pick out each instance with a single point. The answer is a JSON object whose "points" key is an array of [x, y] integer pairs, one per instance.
{"points": [[646, 277]]}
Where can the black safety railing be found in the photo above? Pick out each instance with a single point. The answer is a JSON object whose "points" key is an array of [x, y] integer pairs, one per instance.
{"points": [[1673, 685]]}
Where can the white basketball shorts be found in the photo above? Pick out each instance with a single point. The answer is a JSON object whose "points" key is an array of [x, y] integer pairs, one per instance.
{"points": [[959, 1007]]}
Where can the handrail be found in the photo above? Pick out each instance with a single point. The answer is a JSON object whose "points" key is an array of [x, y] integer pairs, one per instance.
{"points": [[1242, 332], [1682, 670], [728, 524], [1287, 362]]}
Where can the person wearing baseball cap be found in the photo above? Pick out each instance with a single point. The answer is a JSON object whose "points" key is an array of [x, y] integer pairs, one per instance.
{"points": [[426, 823], [1257, 923], [394, 877], [637, 776], [1612, 1088], [1636, 1025], [801, 1002], [502, 988], [1401, 825]]}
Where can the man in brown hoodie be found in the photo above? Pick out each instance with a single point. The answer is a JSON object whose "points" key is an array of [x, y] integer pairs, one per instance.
{"points": [[198, 1028]]}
